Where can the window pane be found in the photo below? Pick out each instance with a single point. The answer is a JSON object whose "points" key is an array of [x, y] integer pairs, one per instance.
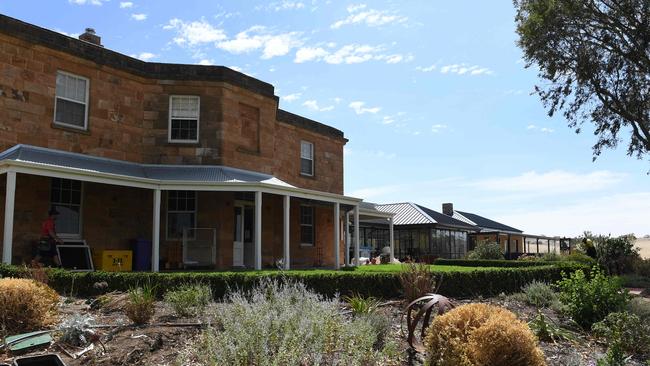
{"points": [[71, 87], [185, 106], [306, 167], [306, 150], [307, 234], [71, 113], [68, 203], [184, 129]]}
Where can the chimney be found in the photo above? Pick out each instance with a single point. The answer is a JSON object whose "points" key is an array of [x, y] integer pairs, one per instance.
{"points": [[448, 209], [90, 37]]}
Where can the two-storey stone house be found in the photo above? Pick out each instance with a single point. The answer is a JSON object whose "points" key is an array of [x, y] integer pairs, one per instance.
{"points": [[198, 160]]}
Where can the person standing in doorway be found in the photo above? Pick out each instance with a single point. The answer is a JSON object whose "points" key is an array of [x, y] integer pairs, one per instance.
{"points": [[46, 252]]}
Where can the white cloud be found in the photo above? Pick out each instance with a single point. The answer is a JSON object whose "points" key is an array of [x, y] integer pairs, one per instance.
{"points": [[206, 62], [144, 56], [370, 154], [438, 127], [291, 97], [305, 54], [426, 68], [359, 108], [615, 214], [313, 105], [348, 54], [139, 16], [551, 183], [73, 35], [337, 100], [126, 4], [533, 127], [84, 2], [283, 5], [258, 37], [463, 69], [370, 17], [195, 33], [387, 120]]}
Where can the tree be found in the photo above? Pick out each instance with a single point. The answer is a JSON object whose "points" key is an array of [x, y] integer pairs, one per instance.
{"points": [[594, 56]]}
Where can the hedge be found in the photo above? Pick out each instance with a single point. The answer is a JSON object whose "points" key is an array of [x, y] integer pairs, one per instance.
{"points": [[490, 263], [329, 283]]}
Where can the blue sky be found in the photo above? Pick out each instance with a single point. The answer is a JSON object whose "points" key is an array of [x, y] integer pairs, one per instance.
{"points": [[433, 96]]}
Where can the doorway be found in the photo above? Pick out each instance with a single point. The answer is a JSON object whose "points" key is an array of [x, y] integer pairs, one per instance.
{"points": [[243, 252]]}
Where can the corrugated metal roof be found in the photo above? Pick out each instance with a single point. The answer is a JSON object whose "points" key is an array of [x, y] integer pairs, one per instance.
{"points": [[193, 173], [485, 223], [446, 220], [406, 213]]}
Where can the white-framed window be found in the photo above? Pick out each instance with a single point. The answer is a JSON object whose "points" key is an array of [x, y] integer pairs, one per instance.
{"points": [[306, 225], [184, 111], [66, 198], [71, 101], [306, 158], [181, 212]]}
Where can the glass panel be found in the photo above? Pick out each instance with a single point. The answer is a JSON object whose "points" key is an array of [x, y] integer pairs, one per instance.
{"points": [[70, 87], [306, 150], [184, 129], [306, 166], [71, 113], [238, 224], [185, 106]]}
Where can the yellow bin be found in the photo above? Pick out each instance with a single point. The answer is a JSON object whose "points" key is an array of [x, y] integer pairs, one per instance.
{"points": [[114, 260]]}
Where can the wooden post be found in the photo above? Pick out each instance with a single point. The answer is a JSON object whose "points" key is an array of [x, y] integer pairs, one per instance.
{"points": [[258, 230]]}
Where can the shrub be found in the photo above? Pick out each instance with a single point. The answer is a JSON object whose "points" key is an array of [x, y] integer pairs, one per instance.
{"points": [[642, 267], [489, 262], [486, 250], [551, 257], [546, 330], [284, 324], [588, 301], [487, 282], [140, 305], [26, 305], [626, 332], [189, 300], [617, 255], [639, 307], [416, 280], [539, 294], [361, 305], [481, 334], [579, 257]]}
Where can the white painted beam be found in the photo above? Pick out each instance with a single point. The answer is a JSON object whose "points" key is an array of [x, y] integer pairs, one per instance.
{"points": [[287, 232], [8, 235], [337, 235], [356, 235], [258, 230], [155, 242]]}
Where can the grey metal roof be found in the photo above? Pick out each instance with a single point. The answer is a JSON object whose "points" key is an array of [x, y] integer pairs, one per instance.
{"points": [[406, 213], [485, 223], [193, 173], [445, 220]]}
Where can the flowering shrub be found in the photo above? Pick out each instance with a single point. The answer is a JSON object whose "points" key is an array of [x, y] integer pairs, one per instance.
{"points": [[286, 324], [486, 250], [481, 334]]}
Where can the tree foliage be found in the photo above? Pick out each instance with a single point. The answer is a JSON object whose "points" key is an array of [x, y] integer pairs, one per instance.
{"points": [[594, 58]]}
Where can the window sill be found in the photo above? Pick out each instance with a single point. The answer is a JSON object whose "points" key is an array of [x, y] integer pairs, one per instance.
{"points": [[303, 245], [67, 128], [183, 143], [244, 150]]}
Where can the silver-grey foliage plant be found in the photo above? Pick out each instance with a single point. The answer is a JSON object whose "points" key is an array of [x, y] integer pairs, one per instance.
{"points": [[283, 323]]}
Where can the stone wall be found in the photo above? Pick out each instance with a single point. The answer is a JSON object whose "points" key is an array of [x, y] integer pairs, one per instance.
{"points": [[129, 117]]}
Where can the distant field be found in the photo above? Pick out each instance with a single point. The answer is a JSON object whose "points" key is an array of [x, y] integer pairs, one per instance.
{"points": [[644, 244]]}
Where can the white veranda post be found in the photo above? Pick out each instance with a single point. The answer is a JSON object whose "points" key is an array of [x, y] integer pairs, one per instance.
{"points": [[287, 238], [258, 230], [155, 242], [391, 234], [7, 238], [347, 238], [337, 235], [356, 235]]}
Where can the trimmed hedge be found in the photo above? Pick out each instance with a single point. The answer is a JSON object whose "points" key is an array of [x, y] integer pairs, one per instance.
{"points": [[490, 263], [329, 283]]}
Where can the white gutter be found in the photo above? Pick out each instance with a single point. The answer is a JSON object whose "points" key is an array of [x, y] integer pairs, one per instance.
{"points": [[148, 183]]}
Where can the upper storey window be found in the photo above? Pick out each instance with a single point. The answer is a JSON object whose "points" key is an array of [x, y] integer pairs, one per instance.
{"points": [[71, 101], [306, 158], [184, 118]]}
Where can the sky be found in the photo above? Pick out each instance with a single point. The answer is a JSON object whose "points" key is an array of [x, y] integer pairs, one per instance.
{"points": [[433, 96]]}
